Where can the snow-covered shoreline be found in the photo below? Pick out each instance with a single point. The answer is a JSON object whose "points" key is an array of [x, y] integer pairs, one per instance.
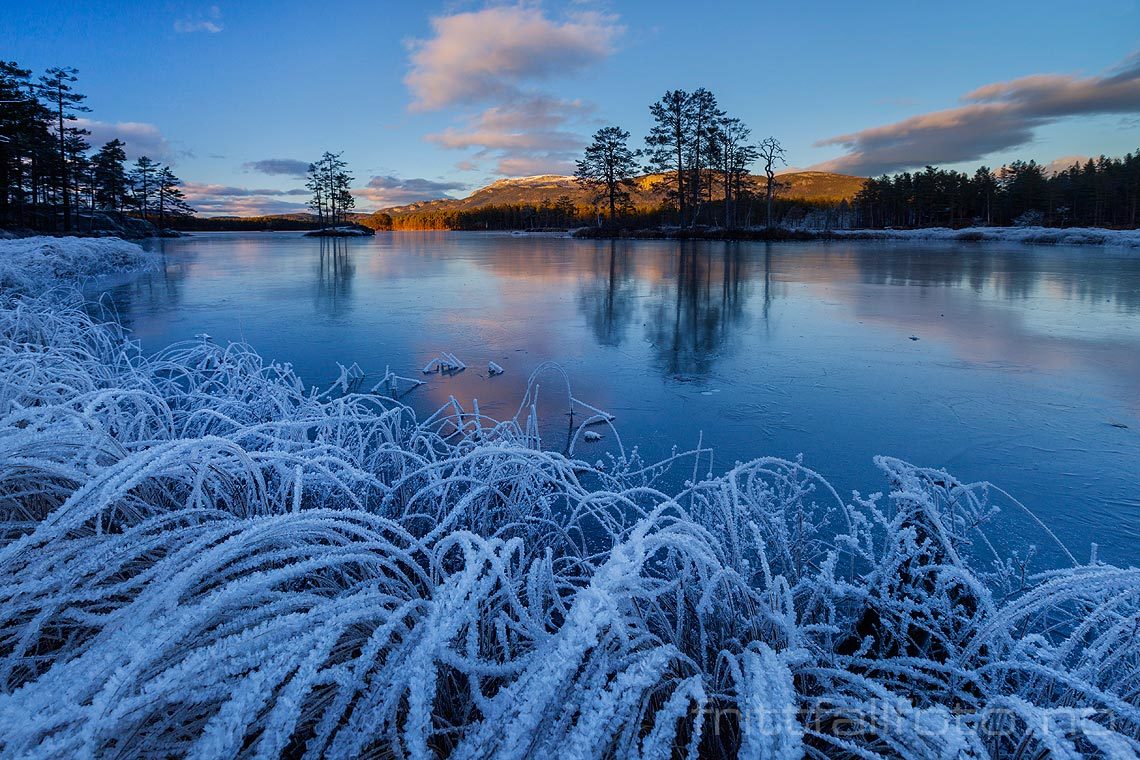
{"points": [[1075, 236], [1092, 236], [31, 265]]}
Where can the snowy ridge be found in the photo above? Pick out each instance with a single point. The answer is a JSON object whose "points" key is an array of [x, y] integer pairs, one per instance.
{"points": [[31, 265], [535, 180], [1028, 235], [199, 557]]}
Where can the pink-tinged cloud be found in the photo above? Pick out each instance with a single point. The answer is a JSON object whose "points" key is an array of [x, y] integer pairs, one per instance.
{"points": [[228, 200], [530, 166], [484, 55], [141, 139], [535, 123], [492, 62], [995, 117], [386, 191], [526, 136]]}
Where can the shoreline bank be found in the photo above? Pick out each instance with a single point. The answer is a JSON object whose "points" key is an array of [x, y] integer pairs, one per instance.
{"points": [[1027, 235]]}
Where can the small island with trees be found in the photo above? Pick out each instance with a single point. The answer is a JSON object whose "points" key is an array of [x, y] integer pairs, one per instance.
{"points": [[331, 185]]}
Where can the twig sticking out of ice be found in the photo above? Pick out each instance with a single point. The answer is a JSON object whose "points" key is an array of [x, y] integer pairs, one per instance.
{"points": [[349, 378], [446, 363], [389, 384], [592, 435], [494, 369], [451, 363]]}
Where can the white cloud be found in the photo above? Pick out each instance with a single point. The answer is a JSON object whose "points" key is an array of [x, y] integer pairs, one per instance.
{"points": [[208, 21], [141, 139]]}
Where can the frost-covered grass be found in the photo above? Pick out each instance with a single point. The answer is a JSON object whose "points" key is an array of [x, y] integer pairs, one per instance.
{"points": [[199, 556], [1028, 235], [28, 265]]}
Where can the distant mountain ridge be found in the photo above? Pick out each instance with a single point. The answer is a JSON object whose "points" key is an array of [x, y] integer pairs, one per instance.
{"points": [[807, 186], [548, 188]]}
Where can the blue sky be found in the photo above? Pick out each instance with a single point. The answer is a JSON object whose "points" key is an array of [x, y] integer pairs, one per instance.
{"points": [[432, 98]]}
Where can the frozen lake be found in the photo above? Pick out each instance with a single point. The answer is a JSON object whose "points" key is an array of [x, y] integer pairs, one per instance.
{"points": [[1014, 364]]}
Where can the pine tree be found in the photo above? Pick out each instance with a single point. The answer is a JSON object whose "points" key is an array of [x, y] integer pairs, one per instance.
{"points": [[171, 199], [668, 143], [55, 88], [330, 183], [985, 188], [342, 195], [566, 211], [24, 123], [142, 181], [78, 162], [315, 186], [704, 117], [110, 175], [609, 166], [732, 154]]}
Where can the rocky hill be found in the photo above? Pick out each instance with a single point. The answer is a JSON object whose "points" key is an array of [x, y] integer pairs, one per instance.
{"points": [[548, 188]]}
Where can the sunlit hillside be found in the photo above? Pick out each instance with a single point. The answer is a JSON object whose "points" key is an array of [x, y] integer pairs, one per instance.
{"points": [[649, 192]]}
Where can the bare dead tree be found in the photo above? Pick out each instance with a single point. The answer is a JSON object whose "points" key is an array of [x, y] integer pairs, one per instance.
{"points": [[771, 152]]}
